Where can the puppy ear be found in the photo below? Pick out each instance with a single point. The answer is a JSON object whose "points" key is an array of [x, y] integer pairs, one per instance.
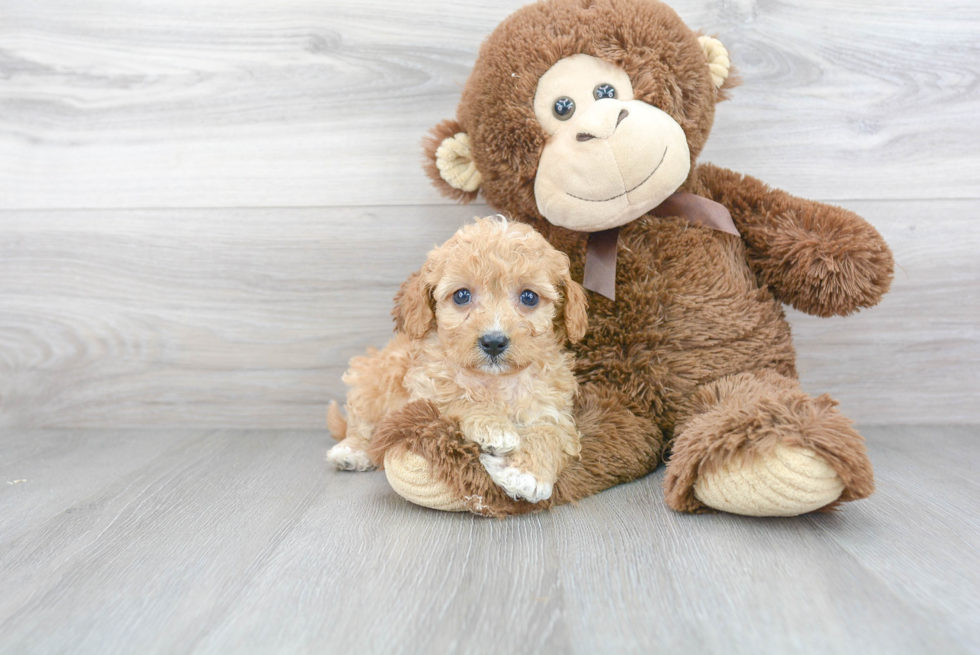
{"points": [[413, 306], [449, 162], [398, 311], [575, 310]]}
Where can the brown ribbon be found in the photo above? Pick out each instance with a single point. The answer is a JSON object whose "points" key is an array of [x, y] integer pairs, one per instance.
{"points": [[600, 254], [600, 263]]}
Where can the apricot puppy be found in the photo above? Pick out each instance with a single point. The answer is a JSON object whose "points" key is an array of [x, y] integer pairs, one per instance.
{"points": [[482, 333]]}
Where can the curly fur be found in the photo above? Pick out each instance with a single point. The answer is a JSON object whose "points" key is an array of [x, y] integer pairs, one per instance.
{"points": [[518, 405]]}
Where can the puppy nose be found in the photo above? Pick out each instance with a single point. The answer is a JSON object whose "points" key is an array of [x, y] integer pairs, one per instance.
{"points": [[494, 343]]}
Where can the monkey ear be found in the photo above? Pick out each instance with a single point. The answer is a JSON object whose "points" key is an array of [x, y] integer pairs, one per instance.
{"points": [[719, 65], [575, 310], [449, 162], [413, 306]]}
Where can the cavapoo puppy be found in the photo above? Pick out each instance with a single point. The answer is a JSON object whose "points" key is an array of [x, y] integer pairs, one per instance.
{"points": [[482, 331]]}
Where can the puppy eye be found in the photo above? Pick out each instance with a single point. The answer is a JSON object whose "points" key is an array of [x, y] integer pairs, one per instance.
{"points": [[529, 298], [604, 91], [462, 296], [564, 108]]}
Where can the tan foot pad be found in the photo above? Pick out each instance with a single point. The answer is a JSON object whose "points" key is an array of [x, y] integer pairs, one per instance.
{"points": [[787, 482], [408, 475]]}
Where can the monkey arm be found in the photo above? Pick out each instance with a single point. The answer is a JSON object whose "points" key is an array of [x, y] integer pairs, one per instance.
{"points": [[821, 259]]}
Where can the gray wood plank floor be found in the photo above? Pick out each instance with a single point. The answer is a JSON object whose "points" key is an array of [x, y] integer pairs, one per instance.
{"points": [[235, 541]]}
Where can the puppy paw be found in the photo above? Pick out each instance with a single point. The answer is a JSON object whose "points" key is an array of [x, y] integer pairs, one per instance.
{"points": [[346, 458], [497, 440], [517, 483]]}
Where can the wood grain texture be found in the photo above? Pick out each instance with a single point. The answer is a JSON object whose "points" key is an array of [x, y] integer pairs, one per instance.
{"points": [[272, 103], [63, 465], [247, 318], [234, 541], [915, 358], [298, 123], [293, 125]]}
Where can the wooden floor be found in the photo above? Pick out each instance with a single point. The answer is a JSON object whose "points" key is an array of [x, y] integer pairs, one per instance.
{"points": [[245, 541]]}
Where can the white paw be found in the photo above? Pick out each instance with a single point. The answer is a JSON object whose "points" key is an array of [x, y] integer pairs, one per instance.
{"points": [[517, 483], [346, 458], [498, 441]]}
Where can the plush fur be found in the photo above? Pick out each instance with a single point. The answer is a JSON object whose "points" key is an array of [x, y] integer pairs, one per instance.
{"points": [[746, 415], [515, 405], [695, 354]]}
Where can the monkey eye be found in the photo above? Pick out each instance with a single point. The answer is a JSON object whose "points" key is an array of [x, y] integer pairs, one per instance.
{"points": [[564, 108], [604, 91], [462, 296], [529, 298]]}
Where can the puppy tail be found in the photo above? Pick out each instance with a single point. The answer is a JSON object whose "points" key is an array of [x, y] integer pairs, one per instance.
{"points": [[336, 421]]}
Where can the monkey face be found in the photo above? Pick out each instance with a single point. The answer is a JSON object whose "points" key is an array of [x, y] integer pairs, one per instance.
{"points": [[608, 158], [584, 114]]}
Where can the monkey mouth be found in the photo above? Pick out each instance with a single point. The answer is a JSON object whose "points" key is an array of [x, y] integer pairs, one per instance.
{"points": [[628, 191]]}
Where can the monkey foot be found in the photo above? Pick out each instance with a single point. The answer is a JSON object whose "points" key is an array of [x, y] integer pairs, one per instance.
{"points": [[409, 475], [788, 481]]}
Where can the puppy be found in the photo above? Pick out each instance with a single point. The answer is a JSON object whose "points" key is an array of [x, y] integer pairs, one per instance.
{"points": [[481, 330]]}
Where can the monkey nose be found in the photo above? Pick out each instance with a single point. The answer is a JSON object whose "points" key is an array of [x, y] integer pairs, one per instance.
{"points": [[494, 343], [588, 136]]}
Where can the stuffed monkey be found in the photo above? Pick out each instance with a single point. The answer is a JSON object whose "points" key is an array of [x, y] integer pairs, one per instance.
{"points": [[585, 119]]}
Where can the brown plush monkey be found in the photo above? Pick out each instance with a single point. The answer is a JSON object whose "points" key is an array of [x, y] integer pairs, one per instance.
{"points": [[585, 119]]}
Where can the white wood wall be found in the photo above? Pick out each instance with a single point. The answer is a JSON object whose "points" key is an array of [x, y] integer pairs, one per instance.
{"points": [[206, 205]]}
